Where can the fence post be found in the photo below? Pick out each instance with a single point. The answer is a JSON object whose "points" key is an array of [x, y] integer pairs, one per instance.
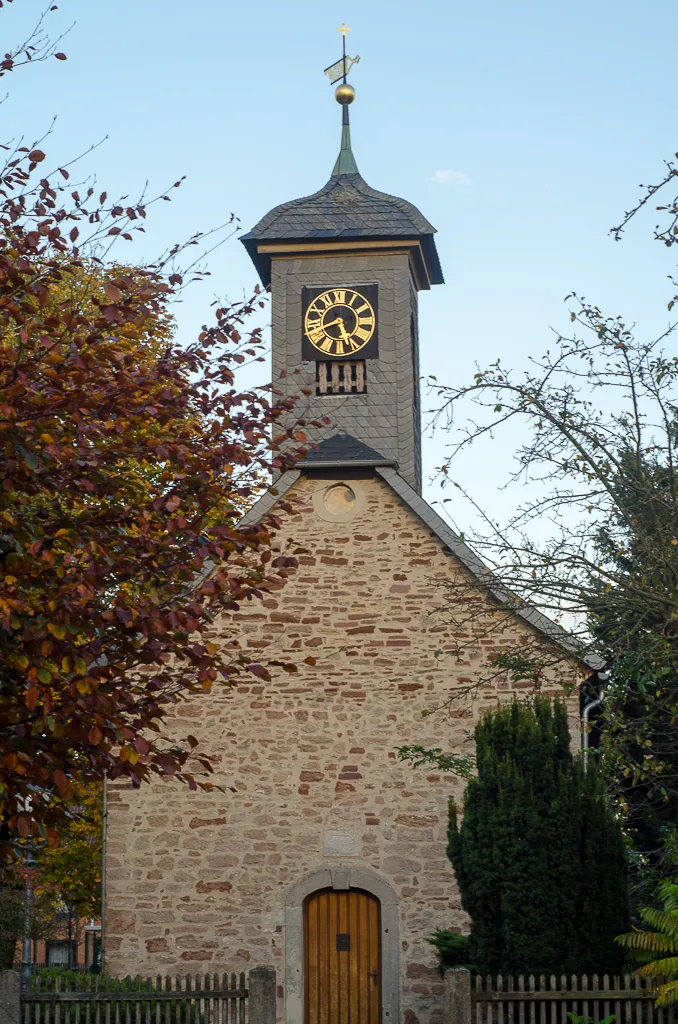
{"points": [[10, 997], [261, 996], [457, 997]]}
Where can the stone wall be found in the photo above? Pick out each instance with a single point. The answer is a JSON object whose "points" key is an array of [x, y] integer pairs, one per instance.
{"points": [[307, 762]]}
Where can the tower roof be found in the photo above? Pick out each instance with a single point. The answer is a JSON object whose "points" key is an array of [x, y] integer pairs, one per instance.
{"points": [[345, 208], [342, 450]]}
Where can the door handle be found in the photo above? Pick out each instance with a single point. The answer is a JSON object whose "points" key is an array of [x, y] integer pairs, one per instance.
{"points": [[373, 975]]}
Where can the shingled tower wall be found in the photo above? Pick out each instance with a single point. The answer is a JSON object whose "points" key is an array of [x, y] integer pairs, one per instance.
{"points": [[386, 417]]}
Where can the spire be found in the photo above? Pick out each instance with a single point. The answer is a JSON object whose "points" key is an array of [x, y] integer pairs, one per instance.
{"points": [[345, 161], [344, 94]]}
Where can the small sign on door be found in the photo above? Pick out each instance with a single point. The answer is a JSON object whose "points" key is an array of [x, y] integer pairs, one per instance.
{"points": [[343, 941]]}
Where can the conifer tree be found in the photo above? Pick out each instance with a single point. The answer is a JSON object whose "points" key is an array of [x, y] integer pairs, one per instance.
{"points": [[539, 856]]}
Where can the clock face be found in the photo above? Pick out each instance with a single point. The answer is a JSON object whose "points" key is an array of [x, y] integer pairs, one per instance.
{"points": [[340, 322]]}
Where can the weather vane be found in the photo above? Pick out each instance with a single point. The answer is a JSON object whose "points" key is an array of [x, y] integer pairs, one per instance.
{"points": [[341, 68]]}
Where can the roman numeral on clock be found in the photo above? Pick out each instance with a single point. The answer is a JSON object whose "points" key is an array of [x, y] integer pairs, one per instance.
{"points": [[315, 334], [340, 322]]}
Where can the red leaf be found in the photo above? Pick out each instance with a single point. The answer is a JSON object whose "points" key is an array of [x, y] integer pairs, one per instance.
{"points": [[258, 670], [37, 156], [168, 766], [60, 56]]}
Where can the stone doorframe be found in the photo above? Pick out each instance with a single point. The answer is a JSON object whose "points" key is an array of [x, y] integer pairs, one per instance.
{"points": [[340, 876]]}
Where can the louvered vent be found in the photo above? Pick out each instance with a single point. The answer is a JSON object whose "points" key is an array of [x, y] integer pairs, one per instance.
{"points": [[340, 378]]}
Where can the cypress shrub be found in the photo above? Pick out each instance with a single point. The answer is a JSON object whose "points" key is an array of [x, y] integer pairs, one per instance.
{"points": [[539, 856]]}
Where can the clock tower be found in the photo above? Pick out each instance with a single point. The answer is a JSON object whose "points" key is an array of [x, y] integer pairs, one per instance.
{"points": [[345, 266]]}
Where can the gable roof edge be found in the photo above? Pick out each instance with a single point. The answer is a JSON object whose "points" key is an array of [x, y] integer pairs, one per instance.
{"points": [[477, 568], [269, 499]]}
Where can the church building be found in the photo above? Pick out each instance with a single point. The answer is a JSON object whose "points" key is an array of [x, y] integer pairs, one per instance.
{"points": [[324, 855]]}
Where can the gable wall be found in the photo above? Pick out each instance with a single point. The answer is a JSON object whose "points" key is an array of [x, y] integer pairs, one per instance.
{"points": [[197, 882]]}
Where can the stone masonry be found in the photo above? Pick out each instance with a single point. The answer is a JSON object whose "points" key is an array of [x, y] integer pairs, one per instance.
{"points": [[307, 762]]}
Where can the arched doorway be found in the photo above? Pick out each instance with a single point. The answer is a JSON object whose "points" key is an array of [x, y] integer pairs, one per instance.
{"points": [[340, 876], [342, 957]]}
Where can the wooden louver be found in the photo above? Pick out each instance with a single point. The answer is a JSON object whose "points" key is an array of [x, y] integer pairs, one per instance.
{"points": [[333, 378]]}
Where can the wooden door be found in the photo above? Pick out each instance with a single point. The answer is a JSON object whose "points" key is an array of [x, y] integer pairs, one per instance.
{"points": [[342, 958]]}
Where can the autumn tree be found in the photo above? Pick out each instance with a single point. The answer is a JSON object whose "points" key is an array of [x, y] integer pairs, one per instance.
{"points": [[67, 877], [126, 455], [71, 872]]}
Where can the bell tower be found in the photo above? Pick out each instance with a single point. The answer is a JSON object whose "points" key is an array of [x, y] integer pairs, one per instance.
{"points": [[345, 266]]}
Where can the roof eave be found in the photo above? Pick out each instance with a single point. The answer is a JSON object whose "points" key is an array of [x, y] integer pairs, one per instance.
{"points": [[538, 620], [346, 463], [262, 263], [431, 272]]}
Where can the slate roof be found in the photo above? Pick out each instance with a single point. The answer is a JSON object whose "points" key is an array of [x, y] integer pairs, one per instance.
{"points": [[343, 449], [345, 208]]}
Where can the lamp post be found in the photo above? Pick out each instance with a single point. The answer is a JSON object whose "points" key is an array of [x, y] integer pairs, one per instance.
{"points": [[26, 956]]}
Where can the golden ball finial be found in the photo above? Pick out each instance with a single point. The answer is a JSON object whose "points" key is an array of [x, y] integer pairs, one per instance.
{"points": [[344, 93]]}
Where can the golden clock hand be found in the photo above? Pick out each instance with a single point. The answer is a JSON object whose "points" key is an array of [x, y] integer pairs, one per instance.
{"points": [[344, 333]]}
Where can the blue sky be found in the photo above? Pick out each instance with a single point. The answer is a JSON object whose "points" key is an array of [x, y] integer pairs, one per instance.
{"points": [[547, 114]]}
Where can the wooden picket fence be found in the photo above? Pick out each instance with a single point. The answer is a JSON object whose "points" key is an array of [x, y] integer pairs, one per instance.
{"points": [[91, 999], [548, 1000]]}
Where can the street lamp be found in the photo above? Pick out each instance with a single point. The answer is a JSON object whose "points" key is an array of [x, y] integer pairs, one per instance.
{"points": [[26, 957]]}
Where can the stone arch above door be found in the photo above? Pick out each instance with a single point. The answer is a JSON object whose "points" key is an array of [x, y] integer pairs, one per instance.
{"points": [[341, 876]]}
